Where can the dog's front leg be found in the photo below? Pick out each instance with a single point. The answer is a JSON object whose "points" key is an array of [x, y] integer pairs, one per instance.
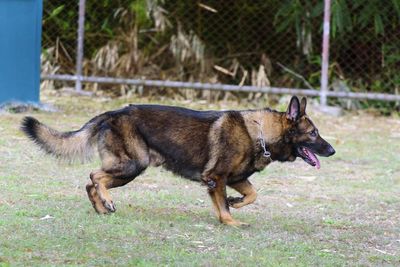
{"points": [[218, 197], [247, 190]]}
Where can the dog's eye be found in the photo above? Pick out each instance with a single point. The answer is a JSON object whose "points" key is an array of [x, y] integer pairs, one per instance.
{"points": [[313, 133]]}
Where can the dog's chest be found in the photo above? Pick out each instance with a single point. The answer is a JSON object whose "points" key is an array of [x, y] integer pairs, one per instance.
{"points": [[256, 164], [260, 161]]}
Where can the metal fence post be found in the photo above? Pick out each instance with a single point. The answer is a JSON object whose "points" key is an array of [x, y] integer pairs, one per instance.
{"points": [[325, 53], [79, 52]]}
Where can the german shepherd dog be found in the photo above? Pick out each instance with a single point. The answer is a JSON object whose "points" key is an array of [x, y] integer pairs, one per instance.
{"points": [[217, 148]]}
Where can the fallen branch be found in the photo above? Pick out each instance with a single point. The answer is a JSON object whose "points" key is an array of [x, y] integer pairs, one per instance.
{"points": [[296, 75]]}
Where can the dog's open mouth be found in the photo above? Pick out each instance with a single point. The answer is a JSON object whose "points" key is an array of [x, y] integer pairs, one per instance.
{"points": [[308, 156]]}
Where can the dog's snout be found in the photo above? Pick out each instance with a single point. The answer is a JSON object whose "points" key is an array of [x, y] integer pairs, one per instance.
{"points": [[331, 151]]}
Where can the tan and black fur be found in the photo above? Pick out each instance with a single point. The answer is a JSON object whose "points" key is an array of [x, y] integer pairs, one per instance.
{"points": [[218, 148]]}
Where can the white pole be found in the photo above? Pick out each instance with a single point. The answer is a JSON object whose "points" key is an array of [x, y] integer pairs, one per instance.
{"points": [[79, 52], [325, 53]]}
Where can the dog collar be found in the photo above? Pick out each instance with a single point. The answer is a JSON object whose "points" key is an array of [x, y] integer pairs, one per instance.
{"points": [[266, 153]]}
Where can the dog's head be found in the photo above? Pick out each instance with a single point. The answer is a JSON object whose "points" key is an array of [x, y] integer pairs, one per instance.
{"points": [[302, 136]]}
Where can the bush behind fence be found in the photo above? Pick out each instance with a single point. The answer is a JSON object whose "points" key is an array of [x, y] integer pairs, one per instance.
{"points": [[246, 42]]}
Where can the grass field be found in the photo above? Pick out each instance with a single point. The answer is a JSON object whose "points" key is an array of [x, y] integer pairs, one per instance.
{"points": [[346, 213]]}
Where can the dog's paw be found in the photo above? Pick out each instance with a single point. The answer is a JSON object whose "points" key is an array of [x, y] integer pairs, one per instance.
{"points": [[109, 206], [234, 200]]}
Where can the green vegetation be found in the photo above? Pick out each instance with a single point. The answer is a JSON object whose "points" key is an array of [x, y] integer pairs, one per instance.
{"points": [[344, 214], [184, 40]]}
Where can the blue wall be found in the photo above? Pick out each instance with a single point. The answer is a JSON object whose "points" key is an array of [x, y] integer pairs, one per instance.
{"points": [[20, 40]]}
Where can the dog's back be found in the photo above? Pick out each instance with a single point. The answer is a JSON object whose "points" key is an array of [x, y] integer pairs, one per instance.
{"points": [[176, 137]]}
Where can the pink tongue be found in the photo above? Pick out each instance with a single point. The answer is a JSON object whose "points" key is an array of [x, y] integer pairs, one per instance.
{"points": [[314, 158]]}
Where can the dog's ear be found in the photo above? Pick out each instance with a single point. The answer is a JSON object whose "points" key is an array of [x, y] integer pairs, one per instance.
{"points": [[303, 105], [293, 110]]}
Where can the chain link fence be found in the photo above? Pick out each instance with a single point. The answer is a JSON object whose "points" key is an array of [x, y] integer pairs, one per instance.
{"points": [[365, 49], [60, 24], [262, 43]]}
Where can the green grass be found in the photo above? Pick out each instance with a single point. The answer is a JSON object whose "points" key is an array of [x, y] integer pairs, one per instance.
{"points": [[347, 213]]}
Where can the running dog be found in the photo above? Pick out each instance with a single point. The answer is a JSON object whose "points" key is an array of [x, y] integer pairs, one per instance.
{"points": [[217, 148]]}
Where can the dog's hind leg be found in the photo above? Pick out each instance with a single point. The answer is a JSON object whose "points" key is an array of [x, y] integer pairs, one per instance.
{"points": [[247, 190], [124, 156], [95, 199], [101, 181], [109, 178]]}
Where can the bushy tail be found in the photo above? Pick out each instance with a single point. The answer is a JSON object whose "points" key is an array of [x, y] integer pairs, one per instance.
{"points": [[75, 145]]}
